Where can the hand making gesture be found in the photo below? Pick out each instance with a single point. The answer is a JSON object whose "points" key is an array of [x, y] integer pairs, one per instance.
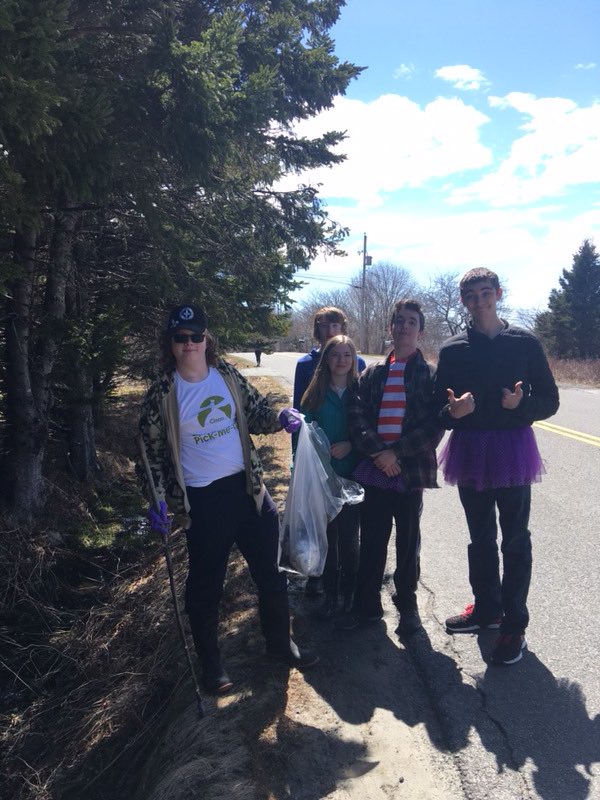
{"points": [[460, 406], [510, 399]]}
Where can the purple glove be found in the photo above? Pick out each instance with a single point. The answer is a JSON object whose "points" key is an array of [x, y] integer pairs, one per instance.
{"points": [[290, 419], [159, 519]]}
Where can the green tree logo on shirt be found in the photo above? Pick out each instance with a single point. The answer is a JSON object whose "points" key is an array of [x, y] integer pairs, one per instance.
{"points": [[209, 405]]}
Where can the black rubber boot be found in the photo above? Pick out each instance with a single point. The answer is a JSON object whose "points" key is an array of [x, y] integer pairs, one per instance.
{"points": [[328, 607], [275, 624], [410, 622], [214, 678], [204, 633]]}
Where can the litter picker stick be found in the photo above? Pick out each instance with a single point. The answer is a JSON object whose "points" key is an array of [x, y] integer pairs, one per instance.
{"points": [[167, 551]]}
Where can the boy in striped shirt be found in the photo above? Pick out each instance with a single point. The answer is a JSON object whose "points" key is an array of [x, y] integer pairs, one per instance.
{"points": [[393, 427]]}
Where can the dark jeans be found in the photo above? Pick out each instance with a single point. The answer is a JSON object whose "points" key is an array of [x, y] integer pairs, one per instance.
{"points": [[379, 508], [223, 514], [492, 596], [342, 552]]}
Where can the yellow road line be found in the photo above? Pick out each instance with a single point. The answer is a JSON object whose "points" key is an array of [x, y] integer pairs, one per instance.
{"points": [[578, 436]]}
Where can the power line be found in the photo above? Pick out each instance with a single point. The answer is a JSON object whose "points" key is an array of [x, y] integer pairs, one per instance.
{"points": [[326, 279]]}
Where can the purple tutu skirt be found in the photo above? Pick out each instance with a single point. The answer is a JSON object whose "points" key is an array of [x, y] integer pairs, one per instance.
{"points": [[483, 460], [367, 474]]}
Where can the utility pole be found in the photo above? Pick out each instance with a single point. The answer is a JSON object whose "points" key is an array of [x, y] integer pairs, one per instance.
{"points": [[367, 260]]}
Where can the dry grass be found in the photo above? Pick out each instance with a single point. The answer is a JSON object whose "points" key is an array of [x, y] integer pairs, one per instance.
{"points": [[91, 663], [574, 371], [86, 640], [581, 372]]}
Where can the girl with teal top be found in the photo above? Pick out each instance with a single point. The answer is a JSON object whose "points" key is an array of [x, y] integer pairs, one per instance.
{"points": [[326, 402]]}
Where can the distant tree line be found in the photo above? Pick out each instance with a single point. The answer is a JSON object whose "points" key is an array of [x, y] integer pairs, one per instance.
{"points": [[569, 328], [384, 284], [141, 145]]}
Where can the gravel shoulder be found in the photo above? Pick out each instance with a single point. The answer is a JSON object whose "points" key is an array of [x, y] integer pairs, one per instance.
{"points": [[358, 725]]}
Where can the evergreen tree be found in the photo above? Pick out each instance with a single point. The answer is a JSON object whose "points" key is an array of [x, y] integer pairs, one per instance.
{"points": [[141, 147], [570, 327]]}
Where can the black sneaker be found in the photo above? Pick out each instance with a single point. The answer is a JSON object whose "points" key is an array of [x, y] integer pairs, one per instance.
{"points": [[410, 622], [470, 621], [295, 657], [215, 680], [348, 622], [508, 648]]}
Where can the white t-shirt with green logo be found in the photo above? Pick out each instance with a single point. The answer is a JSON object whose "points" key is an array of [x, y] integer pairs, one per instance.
{"points": [[210, 441]]}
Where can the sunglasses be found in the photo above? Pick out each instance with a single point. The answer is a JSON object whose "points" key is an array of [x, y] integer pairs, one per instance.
{"points": [[183, 338]]}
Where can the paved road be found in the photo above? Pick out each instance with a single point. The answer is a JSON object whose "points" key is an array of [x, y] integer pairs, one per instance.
{"points": [[532, 730]]}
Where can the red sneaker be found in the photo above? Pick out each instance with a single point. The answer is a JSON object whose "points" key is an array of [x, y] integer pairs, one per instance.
{"points": [[470, 621]]}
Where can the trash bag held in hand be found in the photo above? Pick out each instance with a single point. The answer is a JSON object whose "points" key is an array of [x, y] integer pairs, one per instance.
{"points": [[316, 495]]}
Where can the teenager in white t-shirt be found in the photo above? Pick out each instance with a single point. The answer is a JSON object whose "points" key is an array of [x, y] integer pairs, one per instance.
{"points": [[196, 423]]}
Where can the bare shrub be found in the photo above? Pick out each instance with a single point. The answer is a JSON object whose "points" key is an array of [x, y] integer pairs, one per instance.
{"points": [[584, 371]]}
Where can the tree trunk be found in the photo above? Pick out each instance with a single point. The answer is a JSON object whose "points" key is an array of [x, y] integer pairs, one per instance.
{"points": [[54, 308], [29, 368], [82, 436], [79, 377], [23, 465]]}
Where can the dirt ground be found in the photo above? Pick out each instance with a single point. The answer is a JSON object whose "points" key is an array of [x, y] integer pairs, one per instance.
{"points": [[96, 701], [358, 725]]}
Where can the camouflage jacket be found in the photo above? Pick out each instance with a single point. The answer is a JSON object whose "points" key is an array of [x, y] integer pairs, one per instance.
{"points": [[159, 429]]}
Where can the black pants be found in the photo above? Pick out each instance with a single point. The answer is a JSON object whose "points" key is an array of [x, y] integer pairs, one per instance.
{"points": [[494, 597], [379, 509], [342, 552], [223, 514]]}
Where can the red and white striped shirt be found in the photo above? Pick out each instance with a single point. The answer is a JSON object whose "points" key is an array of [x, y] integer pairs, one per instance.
{"points": [[393, 402]]}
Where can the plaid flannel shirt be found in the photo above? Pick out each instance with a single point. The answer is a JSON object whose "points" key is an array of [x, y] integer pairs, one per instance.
{"points": [[421, 432]]}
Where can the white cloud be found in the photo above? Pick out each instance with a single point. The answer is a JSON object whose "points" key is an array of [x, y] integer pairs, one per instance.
{"points": [[404, 71], [560, 148], [393, 143], [410, 171], [463, 77], [588, 65], [527, 247]]}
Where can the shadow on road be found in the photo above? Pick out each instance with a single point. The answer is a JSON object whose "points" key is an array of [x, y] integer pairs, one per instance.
{"points": [[365, 670], [521, 714], [546, 722]]}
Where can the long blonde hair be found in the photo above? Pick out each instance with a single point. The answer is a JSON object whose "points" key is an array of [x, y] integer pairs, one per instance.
{"points": [[314, 396]]}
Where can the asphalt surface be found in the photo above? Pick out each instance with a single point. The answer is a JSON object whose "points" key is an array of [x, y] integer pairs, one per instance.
{"points": [[531, 730]]}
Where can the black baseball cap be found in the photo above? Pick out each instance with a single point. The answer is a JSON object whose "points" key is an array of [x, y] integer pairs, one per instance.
{"points": [[190, 317]]}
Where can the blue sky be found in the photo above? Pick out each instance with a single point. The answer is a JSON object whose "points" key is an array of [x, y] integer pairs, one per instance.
{"points": [[473, 139]]}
